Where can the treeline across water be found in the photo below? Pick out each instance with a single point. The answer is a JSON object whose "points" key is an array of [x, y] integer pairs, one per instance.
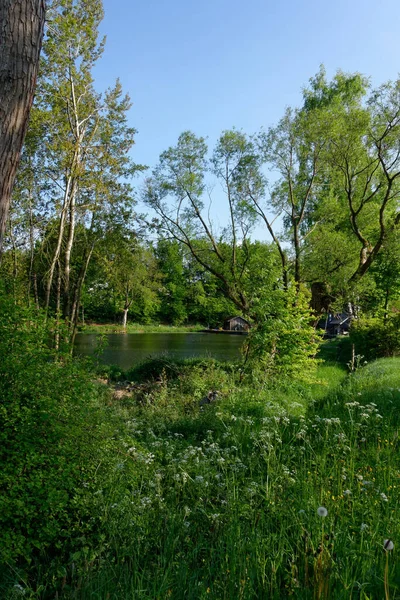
{"points": [[322, 185]]}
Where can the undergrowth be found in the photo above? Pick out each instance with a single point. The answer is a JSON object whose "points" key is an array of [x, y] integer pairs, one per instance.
{"points": [[265, 490]]}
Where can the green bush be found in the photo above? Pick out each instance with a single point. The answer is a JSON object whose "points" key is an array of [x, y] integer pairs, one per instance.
{"points": [[376, 338], [283, 343], [57, 447]]}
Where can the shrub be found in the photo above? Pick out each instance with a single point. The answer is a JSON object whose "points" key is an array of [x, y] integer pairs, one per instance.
{"points": [[375, 338], [56, 447], [283, 343]]}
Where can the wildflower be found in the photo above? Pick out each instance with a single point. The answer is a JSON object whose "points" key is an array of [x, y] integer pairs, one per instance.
{"points": [[384, 497], [347, 493], [302, 512], [388, 545], [363, 527], [322, 511], [367, 483]]}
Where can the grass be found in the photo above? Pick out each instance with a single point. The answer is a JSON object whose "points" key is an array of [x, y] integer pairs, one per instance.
{"points": [[230, 494], [221, 501], [104, 328]]}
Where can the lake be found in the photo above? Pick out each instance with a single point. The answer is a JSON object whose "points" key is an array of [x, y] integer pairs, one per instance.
{"points": [[126, 350]]}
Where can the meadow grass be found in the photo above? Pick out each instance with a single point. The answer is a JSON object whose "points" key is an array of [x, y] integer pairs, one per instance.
{"points": [[275, 490], [226, 506]]}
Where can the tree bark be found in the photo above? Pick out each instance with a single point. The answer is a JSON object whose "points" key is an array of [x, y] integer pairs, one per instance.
{"points": [[125, 318], [77, 296], [21, 34]]}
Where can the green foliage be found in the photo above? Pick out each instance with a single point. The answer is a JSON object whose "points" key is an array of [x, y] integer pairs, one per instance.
{"points": [[174, 282], [283, 342], [56, 449], [376, 337]]}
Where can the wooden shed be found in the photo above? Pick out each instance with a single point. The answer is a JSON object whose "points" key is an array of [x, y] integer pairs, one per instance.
{"points": [[236, 324]]}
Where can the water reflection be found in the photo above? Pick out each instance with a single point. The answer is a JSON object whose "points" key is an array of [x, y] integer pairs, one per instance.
{"points": [[126, 350]]}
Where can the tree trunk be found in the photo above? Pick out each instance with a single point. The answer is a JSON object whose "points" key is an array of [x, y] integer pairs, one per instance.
{"points": [[68, 250], [61, 229], [21, 34], [77, 296], [297, 262], [32, 280], [58, 309], [386, 306], [125, 318]]}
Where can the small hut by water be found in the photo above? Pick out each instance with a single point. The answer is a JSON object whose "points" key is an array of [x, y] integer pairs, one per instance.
{"points": [[236, 324]]}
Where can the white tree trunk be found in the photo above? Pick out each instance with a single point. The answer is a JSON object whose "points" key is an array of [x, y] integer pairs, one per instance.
{"points": [[125, 318]]}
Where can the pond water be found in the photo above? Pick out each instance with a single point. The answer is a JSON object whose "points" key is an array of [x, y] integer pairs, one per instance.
{"points": [[126, 350]]}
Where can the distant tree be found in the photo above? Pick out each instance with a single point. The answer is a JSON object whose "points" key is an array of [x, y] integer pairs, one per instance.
{"points": [[21, 33], [174, 283], [178, 193]]}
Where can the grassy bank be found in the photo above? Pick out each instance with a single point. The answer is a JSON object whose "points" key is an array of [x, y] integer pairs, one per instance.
{"points": [[181, 499], [105, 328], [229, 502]]}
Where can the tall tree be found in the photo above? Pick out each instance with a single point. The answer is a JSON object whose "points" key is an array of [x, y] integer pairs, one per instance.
{"points": [[180, 196], [21, 33], [77, 164]]}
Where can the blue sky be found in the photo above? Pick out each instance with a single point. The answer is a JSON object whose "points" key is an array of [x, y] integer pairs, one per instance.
{"points": [[210, 65]]}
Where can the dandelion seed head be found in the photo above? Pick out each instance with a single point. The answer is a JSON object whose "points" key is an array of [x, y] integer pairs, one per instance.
{"points": [[322, 511], [388, 545]]}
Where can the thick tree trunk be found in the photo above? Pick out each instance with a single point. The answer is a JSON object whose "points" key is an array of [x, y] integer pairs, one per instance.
{"points": [[21, 33]]}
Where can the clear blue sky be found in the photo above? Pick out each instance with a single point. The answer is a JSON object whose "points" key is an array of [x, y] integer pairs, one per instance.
{"points": [[210, 65]]}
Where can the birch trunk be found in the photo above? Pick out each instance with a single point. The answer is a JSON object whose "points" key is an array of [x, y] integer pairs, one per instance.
{"points": [[125, 318]]}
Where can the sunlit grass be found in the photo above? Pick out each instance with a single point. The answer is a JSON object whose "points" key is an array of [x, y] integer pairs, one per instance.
{"points": [[227, 503], [105, 328]]}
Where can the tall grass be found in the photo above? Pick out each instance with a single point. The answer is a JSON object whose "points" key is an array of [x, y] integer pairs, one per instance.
{"points": [[227, 500], [227, 505]]}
